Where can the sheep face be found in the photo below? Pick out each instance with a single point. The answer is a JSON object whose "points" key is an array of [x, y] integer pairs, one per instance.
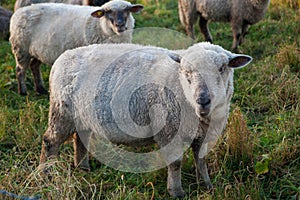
{"points": [[208, 80], [117, 17]]}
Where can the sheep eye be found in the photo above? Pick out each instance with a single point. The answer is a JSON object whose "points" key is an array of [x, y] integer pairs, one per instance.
{"points": [[222, 69], [188, 76], [109, 14]]}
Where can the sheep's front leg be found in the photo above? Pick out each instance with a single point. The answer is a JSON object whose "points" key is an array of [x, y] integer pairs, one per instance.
{"points": [[200, 164], [36, 71], [60, 128], [174, 180], [81, 144], [21, 67], [203, 24]]}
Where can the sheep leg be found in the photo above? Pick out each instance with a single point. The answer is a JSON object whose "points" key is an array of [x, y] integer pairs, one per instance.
{"points": [[244, 32], [203, 24], [200, 164], [187, 20], [174, 179], [81, 158], [237, 34], [21, 67], [36, 71], [60, 128], [190, 31]]}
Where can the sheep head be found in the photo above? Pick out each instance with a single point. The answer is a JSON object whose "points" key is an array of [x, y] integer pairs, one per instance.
{"points": [[117, 12], [206, 75]]}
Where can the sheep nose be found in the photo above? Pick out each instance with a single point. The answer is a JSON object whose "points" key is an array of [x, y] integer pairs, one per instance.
{"points": [[204, 101], [120, 27]]}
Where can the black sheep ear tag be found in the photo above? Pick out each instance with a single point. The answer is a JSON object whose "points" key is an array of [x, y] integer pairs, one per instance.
{"points": [[98, 13], [239, 61]]}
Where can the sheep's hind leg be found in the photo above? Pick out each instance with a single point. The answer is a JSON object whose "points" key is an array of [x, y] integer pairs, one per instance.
{"points": [[36, 71], [186, 19], [236, 27], [200, 164], [203, 24], [244, 32], [81, 144]]}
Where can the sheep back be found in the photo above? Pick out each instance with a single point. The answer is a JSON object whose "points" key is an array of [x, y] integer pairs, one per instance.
{"points": [[90, 100], [224, 10], [23, 3], [213, 9]]}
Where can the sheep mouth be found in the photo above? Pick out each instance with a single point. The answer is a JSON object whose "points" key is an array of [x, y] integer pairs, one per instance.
{"points": [[121, 29], [202, 112]]}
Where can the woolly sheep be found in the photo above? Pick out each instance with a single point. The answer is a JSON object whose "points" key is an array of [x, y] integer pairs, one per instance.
{"points": [[240, 14], [41, 32], [23, 3], [5, 16], [85, 83]]}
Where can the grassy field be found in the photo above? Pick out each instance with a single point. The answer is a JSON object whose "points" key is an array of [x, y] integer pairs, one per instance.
{"points": [[258, 157]]}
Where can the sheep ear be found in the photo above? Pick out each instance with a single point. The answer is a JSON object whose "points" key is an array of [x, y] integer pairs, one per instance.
{"points": [[98, 13], [175, 57], [136, 8], [239, 61]]}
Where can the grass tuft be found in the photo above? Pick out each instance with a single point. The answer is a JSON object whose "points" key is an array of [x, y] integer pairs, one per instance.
{"points": [[289, 55], [239, 141], [294, 4]]}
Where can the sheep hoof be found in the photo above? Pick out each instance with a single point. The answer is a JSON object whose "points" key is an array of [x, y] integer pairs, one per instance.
{"points": [[23, 93], [180, 193], [41, 90], [209, 40], [84, 168], [45, 168], [209, 186]]}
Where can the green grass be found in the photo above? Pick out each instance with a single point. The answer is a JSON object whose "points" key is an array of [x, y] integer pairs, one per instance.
{"points": [[258, 157]]}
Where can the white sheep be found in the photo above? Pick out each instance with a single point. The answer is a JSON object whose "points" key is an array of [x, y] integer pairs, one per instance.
{"points": [[23, 3], [240, 14], [41, 32], [113, 91]]}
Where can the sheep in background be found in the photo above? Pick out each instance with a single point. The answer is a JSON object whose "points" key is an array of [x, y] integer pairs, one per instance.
{"points": [[5, 16], [240, 14], [22, 3], [41, 32], [89, 84]]}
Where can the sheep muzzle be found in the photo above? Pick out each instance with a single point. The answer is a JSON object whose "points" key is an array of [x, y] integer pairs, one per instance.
{"points": [[203, 101]]}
